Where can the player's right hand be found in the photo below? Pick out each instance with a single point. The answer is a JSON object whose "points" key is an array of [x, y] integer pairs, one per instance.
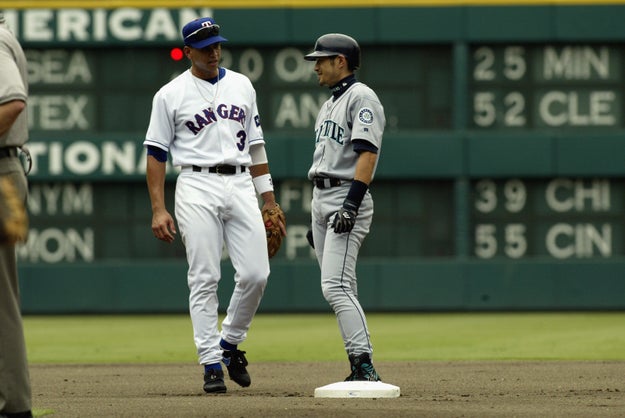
{"points": [[163, 226]]}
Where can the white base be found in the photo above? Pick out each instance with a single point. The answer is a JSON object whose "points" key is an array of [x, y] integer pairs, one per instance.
{"points": [[358, 389]]}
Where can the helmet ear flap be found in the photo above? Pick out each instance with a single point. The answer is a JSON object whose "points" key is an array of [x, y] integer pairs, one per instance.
{"points": [[351, 64]]}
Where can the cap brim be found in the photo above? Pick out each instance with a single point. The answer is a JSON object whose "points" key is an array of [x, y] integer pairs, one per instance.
{"points": [[319, 54], [206, 42]]}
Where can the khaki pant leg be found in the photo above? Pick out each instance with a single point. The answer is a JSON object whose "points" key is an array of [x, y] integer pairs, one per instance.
{"points": [[15, 391]]}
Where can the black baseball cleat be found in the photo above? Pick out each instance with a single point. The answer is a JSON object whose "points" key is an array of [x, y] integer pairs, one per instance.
{"points": [[236, 362], [214, 381], [362, 369]]}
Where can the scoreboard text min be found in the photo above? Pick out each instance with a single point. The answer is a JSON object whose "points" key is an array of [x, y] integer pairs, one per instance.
{"points": [[546, 86]]}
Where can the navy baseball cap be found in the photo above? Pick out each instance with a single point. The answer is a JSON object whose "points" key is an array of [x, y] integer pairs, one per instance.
{"points": [[200, 33]]}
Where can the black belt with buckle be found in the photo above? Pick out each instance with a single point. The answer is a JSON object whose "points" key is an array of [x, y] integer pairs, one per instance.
{"points": [[326, 182], [221, 169], [7, 152]]}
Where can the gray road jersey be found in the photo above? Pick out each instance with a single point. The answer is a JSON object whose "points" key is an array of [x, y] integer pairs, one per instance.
{"points": [[357, 114]]}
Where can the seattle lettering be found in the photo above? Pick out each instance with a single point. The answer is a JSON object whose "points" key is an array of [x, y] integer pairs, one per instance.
{"points": [[332, 130]]}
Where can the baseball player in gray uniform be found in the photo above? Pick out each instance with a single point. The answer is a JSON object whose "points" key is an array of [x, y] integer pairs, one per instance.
{"points": [[208, 120], [348, 137]]}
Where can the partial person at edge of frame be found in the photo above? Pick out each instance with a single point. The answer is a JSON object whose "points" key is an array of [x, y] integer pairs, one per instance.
{"points": [[15, 389]]}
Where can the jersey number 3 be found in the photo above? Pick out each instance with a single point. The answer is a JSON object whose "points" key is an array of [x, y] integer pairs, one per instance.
{"points": [[242, 137]]}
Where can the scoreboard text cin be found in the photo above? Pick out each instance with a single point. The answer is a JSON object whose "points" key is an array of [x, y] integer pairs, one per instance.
{"points": [[547, 86], [563, 218]]}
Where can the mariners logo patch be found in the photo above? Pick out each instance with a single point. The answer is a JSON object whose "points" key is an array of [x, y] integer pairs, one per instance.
{"points": [[366, 116]]}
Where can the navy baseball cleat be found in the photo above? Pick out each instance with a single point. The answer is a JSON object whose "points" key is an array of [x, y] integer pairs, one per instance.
{"points": [[362, 369], [214, 381], [236, 362]]}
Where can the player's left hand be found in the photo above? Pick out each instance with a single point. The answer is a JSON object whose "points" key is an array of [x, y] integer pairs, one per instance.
{"points": [[279, 214], [275, 226], [345, 218]]}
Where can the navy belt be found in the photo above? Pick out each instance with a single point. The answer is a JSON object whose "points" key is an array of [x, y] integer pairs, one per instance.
{"points": [[221, 169], [7, 152], [326, 182]]}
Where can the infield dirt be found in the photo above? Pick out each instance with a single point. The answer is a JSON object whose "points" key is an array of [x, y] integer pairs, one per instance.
{"points": [[428, 389]]}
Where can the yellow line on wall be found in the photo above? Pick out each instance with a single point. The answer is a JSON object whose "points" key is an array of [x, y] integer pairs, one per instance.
{"points": [[231, 4]]}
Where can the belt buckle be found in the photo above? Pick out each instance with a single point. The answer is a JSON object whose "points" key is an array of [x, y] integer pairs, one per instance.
{"points": [[322, 182], [218, 169]]}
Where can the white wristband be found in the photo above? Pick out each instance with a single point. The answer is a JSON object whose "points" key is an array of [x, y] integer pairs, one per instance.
{"points": [[263, 183]]}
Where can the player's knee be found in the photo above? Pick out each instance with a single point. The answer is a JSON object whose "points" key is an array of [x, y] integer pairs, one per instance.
{"points": [[332, 292], [256, 279]]}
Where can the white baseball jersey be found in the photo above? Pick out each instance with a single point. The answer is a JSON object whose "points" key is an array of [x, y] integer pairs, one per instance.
{"points": [[356, 114], [186, 124]]}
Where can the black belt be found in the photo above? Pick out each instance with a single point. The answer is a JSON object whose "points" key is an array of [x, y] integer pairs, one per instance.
{"points": [[221, 169], [326, 182], [7, 152]]}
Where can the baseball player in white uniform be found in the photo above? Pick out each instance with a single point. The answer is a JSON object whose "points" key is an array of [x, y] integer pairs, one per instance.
{"points": [[208, 120], [348, 137]]}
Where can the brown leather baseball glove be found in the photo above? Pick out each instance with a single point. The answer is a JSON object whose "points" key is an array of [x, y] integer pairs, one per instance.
{"points": [[272, 218], [13, 216]]}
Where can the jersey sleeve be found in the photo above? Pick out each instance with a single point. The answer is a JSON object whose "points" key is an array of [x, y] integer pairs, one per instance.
{"points": [[368, 120], [254, 128], [161, 128], [12, 86]]}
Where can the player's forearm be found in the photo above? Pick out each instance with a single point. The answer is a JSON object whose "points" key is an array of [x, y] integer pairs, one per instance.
{"points": [[259, 169], [269, 198], [365, 166], [155, 175]]}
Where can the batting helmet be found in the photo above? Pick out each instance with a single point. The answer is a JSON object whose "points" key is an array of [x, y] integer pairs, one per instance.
{"points": [[333, 44]]}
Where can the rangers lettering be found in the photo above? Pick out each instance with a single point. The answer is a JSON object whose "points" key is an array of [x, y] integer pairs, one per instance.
{"points": [[201, 122], [222, 111], [209, 114], [233, 112], [237, 114]]}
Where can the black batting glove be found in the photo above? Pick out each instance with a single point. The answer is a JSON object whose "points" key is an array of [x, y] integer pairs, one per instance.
{"points": [[345, 218]]}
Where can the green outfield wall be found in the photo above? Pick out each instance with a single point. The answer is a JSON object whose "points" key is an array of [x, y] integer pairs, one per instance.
{"points": [[500, 186]]}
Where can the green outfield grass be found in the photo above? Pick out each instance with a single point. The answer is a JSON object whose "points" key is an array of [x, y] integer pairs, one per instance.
{"points": [[315, 337]]}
